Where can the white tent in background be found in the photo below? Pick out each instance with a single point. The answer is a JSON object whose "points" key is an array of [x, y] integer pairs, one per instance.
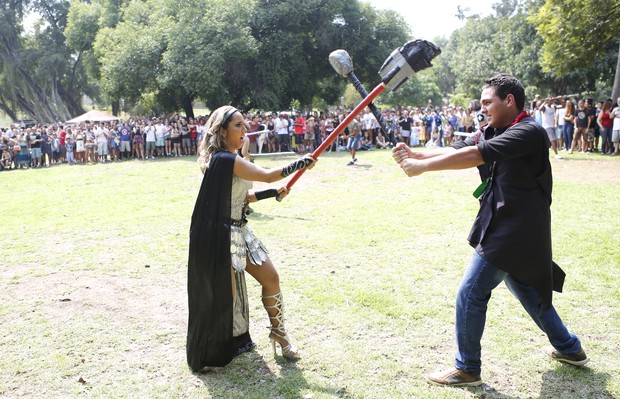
{"points": [[93, 116]]}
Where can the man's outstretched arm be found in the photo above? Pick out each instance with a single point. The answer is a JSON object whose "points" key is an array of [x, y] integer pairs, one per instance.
{"points": [[463, 158]]}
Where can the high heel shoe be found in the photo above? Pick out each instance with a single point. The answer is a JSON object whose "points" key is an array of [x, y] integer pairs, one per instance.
{"points": [[289, 351], [278, 332]]}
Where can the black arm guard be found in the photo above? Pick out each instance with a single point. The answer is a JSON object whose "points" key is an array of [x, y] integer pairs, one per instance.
{"points": [[270, 193], [295, 166]]}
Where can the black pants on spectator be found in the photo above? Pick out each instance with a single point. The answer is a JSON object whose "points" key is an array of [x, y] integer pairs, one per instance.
{"points": [[283, 142]]}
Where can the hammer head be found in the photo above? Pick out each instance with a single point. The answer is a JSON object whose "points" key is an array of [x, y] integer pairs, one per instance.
{"points": [[341, 62], [406, 60]]}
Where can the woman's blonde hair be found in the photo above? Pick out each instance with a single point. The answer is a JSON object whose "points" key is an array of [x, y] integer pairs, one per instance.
{"points": [[213, 139]]}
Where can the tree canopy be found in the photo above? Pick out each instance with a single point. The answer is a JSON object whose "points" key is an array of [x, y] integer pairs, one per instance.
{"points": [[578, 33], [253, 53], [510, 41]]}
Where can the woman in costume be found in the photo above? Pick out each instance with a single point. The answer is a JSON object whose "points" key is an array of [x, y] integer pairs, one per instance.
{"points": [[222, 247]]}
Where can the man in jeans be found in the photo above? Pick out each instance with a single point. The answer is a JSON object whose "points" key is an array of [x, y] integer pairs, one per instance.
{"points": [[512, 232]]}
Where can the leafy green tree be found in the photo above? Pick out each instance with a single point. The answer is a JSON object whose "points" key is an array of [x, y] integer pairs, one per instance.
{"points": [[130, 53], [577, 33], [209, 55], [509, 42], [256, 54], [420, 88], [293, 64]]}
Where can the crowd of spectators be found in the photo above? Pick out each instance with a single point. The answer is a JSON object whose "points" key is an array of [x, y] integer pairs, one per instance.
{"points": [[579, 124], [302, 133], [584, 127], [91, 142]]}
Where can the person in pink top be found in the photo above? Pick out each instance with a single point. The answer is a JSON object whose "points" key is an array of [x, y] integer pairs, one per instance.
{"points": [[300, 129], [63, 142]]}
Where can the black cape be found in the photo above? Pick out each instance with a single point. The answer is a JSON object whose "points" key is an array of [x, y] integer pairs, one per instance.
{"points": [[210, 339]]}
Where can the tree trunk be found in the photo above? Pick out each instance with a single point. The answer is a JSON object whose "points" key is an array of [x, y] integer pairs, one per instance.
{"points": [[188, 106], [70, 101], [615, 93], [44, 110], [116, 106], [57, 101], [8, 111]]}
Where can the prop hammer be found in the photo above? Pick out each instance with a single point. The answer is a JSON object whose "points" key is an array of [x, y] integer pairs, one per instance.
{"points": [[412, 57], [342, 63]]}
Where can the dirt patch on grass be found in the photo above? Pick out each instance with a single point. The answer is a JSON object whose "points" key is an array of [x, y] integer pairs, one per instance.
{"points": [[73, 295], [587, 170]]}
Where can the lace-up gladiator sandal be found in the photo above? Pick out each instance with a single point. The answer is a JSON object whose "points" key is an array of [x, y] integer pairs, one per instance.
{"points": [[274, 304]]}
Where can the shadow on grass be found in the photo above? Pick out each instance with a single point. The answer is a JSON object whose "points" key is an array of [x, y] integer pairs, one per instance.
{"points": [[488, 392], [568, 158], [574, 382], [257, 217], [249, 376], [362, 165], [564, 382]]}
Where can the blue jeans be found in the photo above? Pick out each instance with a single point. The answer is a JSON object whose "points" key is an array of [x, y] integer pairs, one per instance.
{"points": [[471, 306], [606, 145], [568, 129], [353, 143]]}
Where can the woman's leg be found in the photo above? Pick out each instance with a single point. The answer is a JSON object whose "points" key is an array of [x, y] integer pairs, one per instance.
{"points": [[267, 276], [576, 135], [607, 144]]}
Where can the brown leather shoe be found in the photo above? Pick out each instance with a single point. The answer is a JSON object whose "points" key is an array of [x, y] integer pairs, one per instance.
{"points": [[454, 378], [578, 359]]}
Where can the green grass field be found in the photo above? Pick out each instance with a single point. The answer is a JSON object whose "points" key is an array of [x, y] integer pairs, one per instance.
{"points": [[93, 284]]}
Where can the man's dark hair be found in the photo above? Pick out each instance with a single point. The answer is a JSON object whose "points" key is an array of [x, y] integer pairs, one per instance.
{"points": [[505, 84], [475, 105]]}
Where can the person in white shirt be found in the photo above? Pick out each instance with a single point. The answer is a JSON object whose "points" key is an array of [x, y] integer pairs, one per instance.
{"points": [[368, 122], [615, 135], [160, 129], [560, 112], [101, 138], [281, 128], [149, 130], [547, 112]]}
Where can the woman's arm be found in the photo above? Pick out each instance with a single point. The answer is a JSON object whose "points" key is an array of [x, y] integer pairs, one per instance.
{"points": [[254, 196], [249, 171]]}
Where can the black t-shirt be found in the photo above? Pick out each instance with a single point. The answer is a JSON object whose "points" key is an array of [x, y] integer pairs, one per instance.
{"points": [[581, 118], [35, 140], [405, 123], [592, 113]]}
